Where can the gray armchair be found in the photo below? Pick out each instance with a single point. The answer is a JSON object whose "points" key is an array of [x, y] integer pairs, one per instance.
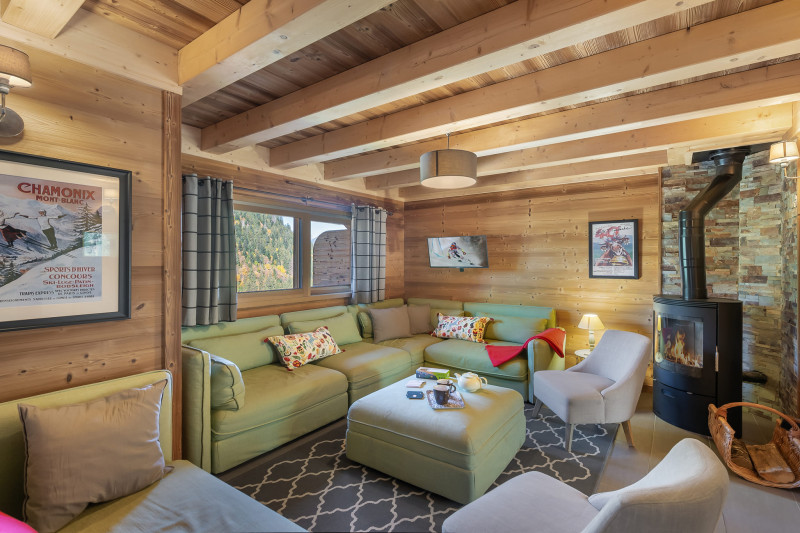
{"points": [[684, 492], [604, 388]]}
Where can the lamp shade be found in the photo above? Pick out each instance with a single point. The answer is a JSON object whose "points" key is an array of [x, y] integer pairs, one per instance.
{"points": [[15, 67], [448, 169], [783, 152], [591, 321]]}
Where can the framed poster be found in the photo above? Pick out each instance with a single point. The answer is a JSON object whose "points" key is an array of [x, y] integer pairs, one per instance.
{"points": [[614, 249], [65, 242]]}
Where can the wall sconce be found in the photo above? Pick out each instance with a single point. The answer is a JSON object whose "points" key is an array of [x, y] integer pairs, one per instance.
{"points": [[448, 169], [15, 71], [783, 152], [591, 322]]}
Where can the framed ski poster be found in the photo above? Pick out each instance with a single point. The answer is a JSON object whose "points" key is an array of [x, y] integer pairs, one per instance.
{"points": [[65, 243]]}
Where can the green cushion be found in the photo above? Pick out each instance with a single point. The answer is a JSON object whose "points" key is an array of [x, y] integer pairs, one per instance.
{"points": [[414, 345], [246, 350], [365, 321], [364, 363], [514, 328], [470, 356], [273, 394], [343, 328], [227, 387]]}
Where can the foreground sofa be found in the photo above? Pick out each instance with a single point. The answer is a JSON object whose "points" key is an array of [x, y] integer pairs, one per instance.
{"points": [[240, 402], [186, 499]]}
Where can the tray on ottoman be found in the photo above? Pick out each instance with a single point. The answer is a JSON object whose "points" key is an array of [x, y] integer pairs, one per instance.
{"points": [[457, 453]]}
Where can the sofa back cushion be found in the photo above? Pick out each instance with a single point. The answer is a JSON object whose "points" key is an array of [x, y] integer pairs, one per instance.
{"points": [[343, 328], [242, 325], [390, 323], [514, 328], [227, 386], [246, 350], [530, 311]]}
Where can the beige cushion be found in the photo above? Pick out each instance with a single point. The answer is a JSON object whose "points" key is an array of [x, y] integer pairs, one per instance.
{"points": [[246, 350], [89, 453], [343, 328], [392, 323], [227, 387], [420, 318]]}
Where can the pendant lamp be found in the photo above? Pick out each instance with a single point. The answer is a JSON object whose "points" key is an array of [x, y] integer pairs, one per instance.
{"points": [[15, 71], [448, 169]]}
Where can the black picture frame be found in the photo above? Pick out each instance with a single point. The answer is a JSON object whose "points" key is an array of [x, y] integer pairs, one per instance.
{"points": [[614, 249], [65, 242]]}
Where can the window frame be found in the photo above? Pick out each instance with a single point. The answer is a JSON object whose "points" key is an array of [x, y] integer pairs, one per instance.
{"points": [[303, 215]]}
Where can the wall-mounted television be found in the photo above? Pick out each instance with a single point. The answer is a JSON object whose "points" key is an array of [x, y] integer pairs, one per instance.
{"points": [[458, 252]]}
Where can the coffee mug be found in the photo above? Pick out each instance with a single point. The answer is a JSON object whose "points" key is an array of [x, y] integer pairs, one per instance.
{"points": [[441, 394], [447, 383]]}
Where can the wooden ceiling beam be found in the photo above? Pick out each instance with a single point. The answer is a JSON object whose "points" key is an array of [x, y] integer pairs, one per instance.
{"points": [[505, 36], [722, 131], [42, 17], [604, 169], [761, 87], [730, 129], [97, 42], [258, 34], [409, 179], [708, 48]]}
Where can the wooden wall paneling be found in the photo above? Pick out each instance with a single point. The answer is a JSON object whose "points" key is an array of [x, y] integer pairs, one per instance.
{"points": [[538, 251], [266, 182], [171, 252], [92, 118]]}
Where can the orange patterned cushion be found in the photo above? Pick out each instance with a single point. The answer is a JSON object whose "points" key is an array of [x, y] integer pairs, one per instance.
{"points": [[468, 328], [300, 348]]}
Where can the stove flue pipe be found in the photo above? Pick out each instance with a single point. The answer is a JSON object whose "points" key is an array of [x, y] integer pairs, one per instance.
{"points": [[692, 234]]}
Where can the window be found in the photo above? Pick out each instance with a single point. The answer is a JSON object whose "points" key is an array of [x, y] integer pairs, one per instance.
{"points": [[265, 251], [274, 245]]}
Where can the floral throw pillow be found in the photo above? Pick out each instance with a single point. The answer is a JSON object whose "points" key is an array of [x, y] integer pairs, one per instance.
{"points": [[300, 348], [468, 328]]}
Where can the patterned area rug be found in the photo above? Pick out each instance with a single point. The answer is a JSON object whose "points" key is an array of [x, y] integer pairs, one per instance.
{"points": [[312, 483]]}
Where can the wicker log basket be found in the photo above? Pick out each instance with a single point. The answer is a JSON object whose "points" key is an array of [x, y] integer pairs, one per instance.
{"points": [[785, 442]]}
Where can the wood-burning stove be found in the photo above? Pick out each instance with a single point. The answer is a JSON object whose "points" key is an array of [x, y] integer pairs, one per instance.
{"points": [[697, 359], [697, 341]]}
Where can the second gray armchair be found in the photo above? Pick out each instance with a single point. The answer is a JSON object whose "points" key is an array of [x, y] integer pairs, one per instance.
{"points": [[604, 388]]}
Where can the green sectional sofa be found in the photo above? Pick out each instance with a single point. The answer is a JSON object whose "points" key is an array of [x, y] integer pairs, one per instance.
{"points": [[240, 402]]}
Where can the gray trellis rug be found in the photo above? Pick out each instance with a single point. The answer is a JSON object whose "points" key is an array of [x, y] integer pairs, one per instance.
{"points": [[312, 483]]}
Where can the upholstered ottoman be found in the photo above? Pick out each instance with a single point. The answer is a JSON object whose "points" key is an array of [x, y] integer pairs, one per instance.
{"points": [[457, 453]]}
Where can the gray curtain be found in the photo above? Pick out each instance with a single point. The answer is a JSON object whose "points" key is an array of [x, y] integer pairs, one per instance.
{"points": [[209, 251], [368, 232]]}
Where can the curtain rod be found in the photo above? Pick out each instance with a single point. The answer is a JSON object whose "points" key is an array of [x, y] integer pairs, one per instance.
{"points": [[304, 199]]}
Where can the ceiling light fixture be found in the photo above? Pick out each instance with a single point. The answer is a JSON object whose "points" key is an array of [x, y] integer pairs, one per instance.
{"points": [[448, 169], [15, 71], [783, 152]]}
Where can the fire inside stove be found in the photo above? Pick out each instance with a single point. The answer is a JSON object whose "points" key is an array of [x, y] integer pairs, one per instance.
{"points": [[679, 344]]}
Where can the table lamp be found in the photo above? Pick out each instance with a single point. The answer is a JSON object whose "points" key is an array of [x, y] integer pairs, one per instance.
{"points": [[591, 322]]}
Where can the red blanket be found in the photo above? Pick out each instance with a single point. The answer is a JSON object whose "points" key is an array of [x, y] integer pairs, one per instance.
{"points": [[553, 336]]}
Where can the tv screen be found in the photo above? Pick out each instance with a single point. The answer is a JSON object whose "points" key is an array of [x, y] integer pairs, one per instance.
{"points": [[458, 252]]}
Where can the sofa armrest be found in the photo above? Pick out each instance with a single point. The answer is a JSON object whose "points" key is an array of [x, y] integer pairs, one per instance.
{"points": [[541, 357], [196, 408]]}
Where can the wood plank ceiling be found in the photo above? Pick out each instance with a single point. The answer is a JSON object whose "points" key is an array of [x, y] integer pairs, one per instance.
{"points": [[545, 92]]}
